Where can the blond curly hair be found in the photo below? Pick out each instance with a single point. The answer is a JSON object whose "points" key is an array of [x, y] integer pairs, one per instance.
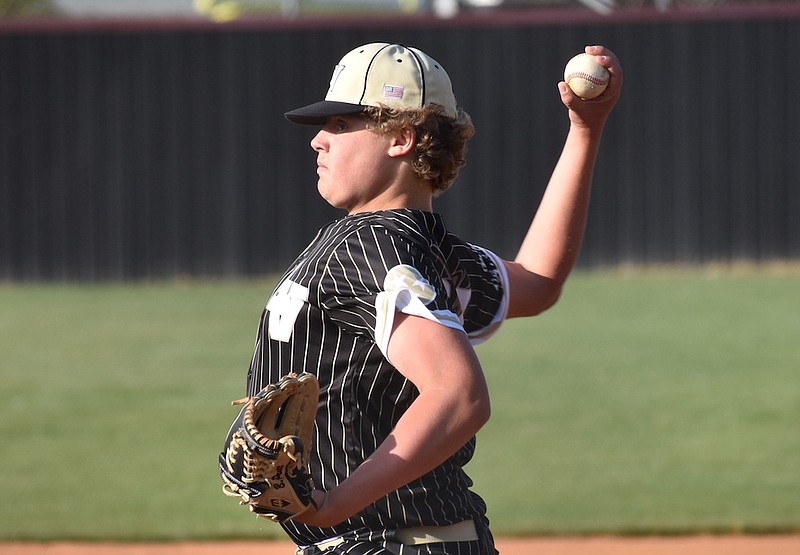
{"points": [[441, 140]]}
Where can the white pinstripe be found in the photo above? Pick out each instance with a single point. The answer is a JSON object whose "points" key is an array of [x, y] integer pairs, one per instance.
{"points": [[362, 396]]}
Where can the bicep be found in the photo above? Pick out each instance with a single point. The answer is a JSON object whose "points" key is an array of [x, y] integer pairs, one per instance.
{"points": [[432, 355]]}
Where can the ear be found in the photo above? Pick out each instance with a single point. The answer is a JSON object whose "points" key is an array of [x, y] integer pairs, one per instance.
{"points": [[403, 141]]}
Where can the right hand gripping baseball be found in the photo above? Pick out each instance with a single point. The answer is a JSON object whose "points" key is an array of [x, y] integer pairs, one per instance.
{"points": [[265, 458]]}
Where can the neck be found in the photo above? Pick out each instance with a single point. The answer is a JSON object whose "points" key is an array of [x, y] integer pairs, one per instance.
{"points": [[414, 196]]}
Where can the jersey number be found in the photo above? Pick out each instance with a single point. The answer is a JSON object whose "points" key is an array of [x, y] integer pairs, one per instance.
{"points": [[284, 306]]}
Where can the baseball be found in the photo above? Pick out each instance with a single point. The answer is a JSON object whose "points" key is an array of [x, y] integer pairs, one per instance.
{"points": [[585, 77]]}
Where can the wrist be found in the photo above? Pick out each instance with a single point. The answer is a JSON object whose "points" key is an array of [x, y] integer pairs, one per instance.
{"points": [[315, 514], [592, 129], [318, 499]]}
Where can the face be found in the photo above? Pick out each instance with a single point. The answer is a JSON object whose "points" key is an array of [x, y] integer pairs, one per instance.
{"points": [[353, 164]]}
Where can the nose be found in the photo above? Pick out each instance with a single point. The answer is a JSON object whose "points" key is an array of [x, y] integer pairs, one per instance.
{"points": [[318, 142]]}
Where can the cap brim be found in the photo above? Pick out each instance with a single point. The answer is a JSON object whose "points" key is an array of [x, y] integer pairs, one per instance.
{"points": [[317, 113]]}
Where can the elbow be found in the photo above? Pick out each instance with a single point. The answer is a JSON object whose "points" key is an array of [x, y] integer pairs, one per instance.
{"points": [[482, 414], [535, 303], [478, 417], [485, 415], [549, 300], [481, 410], [472, 407], [531, 293]]}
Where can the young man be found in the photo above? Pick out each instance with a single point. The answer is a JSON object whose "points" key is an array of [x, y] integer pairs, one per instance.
{"points": [[384, 305]]}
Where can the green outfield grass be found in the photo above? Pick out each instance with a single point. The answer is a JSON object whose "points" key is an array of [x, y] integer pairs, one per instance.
{"points": [[644, 402]]}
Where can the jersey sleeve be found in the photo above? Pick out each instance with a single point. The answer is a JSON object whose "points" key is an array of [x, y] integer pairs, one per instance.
{"points": [[375, 273], [486, 306]]}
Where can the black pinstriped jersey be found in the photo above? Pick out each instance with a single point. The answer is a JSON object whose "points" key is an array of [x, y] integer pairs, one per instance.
{"points": [[331, 314]]}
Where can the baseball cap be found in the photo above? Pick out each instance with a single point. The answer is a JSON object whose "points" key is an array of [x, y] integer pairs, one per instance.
{"points": [[381, 74]]}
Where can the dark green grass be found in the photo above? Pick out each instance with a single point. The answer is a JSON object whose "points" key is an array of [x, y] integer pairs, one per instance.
{"points": [[642, 403]]}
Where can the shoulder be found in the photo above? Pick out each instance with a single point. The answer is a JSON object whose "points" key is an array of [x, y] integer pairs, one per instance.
{"points": [[414, 228], [406, 222]]}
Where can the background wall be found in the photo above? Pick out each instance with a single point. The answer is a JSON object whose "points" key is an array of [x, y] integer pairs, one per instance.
{"points": [[155, 150]]}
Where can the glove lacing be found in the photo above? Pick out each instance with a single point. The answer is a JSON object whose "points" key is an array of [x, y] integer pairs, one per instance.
{"points": [[253, 468]]}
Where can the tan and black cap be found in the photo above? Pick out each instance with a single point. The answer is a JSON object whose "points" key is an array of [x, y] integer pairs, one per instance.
{"points": [[381, 74]]}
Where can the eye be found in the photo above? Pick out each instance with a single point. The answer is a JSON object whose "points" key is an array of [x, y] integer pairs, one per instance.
{"points": [[338, 125]]}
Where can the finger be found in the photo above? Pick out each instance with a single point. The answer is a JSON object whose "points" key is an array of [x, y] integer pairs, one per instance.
{"points": [[605, 58], [568, 98]]}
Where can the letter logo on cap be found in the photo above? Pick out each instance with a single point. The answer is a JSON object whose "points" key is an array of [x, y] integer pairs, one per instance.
{"points": [[337, 71]]}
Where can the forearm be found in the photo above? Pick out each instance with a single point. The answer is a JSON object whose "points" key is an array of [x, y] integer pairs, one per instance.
{"points": [[427, 434], [551, 246], [553, 241]]}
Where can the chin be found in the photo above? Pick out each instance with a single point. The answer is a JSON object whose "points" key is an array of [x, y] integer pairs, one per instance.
{"points": [[323, 191], [328, 197]]}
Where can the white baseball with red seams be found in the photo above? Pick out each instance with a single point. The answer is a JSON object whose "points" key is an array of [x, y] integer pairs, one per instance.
{"points": [[585, 76]]}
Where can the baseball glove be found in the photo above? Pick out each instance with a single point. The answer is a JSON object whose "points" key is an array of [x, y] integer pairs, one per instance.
{"points": [[265, 458]]}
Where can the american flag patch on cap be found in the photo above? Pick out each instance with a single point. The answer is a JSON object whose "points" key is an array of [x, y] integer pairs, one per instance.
{"points": [[393, 91]]}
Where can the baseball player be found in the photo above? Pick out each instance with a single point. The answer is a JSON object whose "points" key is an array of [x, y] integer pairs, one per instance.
{"points": [[384, 305]]}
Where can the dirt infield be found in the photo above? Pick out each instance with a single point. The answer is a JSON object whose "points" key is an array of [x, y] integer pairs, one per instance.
{"points": [[693, 545]]}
